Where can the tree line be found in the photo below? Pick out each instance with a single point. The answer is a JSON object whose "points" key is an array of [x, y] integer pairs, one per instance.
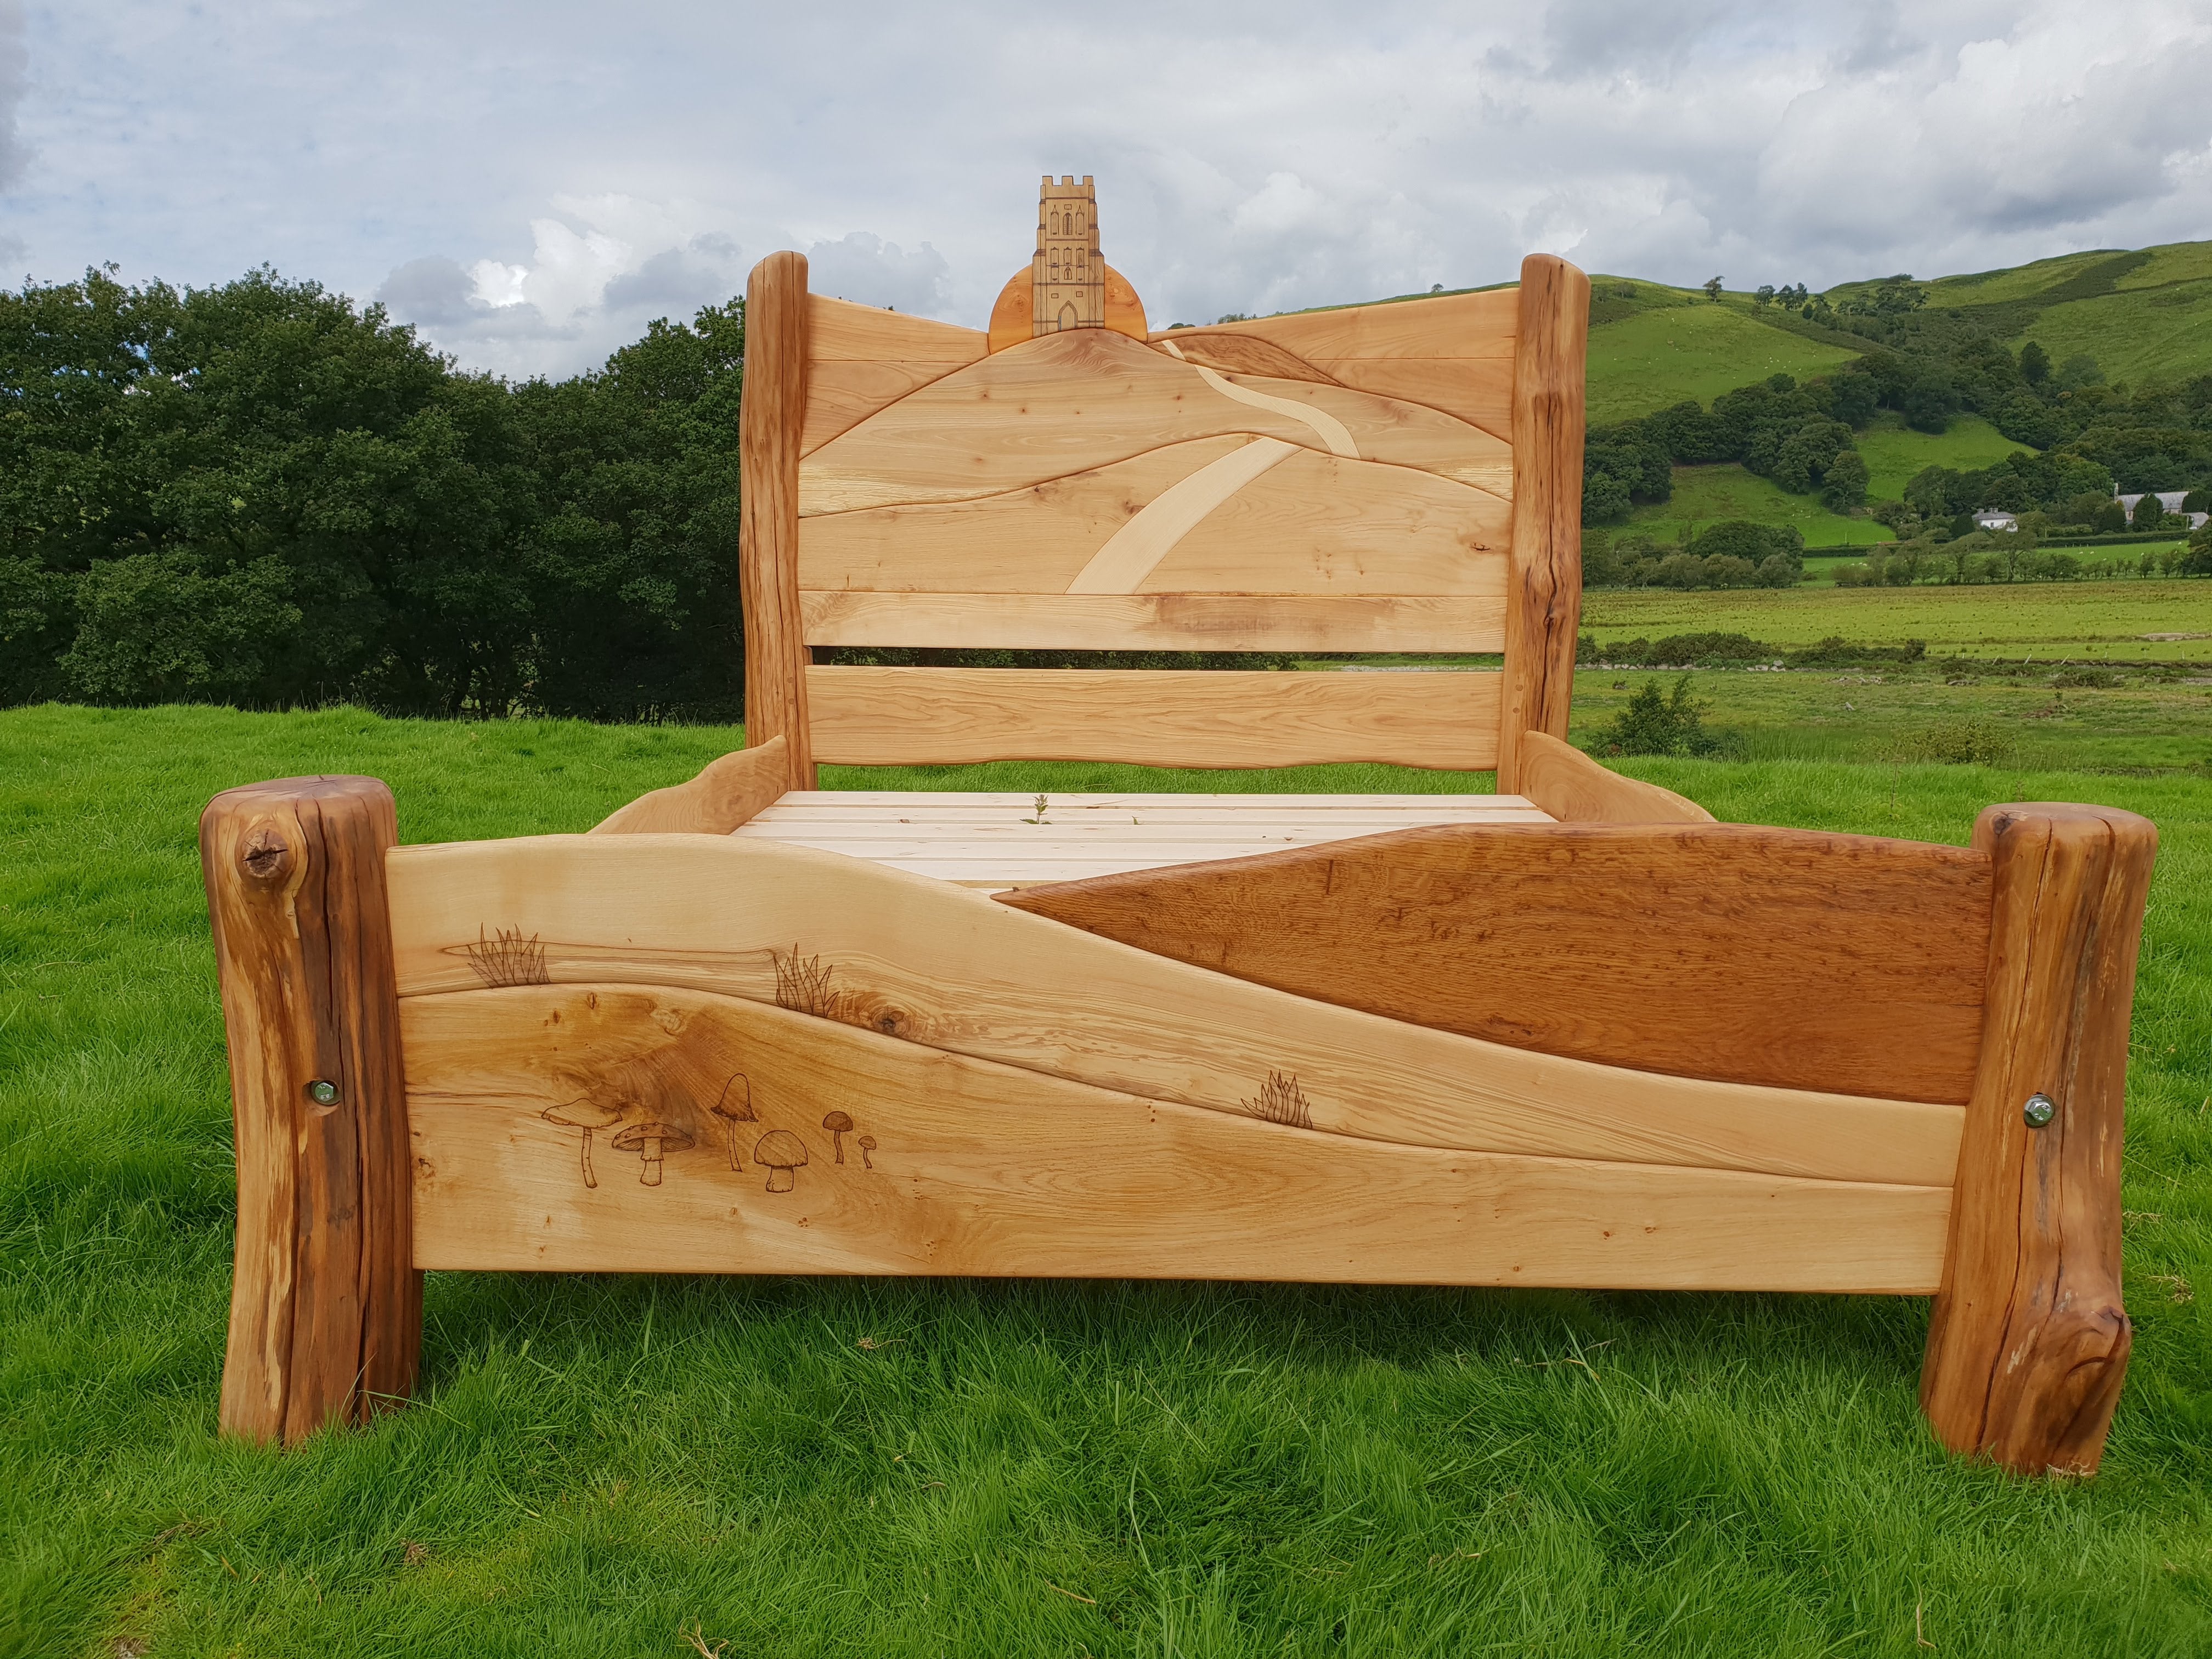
{"points": [[259, 494]]}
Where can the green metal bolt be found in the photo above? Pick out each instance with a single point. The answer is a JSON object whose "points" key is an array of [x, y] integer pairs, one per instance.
{"points": [[2039, 1111], [323, 1092]]}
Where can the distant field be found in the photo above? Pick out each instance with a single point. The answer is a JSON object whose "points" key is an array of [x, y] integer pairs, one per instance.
{"points": [[1656, 358], [1894, 452], [1707, 494], [2103, 620], [2135, 334]]}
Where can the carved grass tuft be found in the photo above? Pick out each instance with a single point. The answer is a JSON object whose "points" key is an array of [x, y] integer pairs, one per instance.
{"points": [[802, 984], [507, 959], [1281, 1101]]}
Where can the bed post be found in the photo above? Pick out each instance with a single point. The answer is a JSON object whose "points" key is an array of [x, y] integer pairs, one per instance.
{"points": [[2029, 1340], [772, 415], [326, 1306], [1544, 590]]}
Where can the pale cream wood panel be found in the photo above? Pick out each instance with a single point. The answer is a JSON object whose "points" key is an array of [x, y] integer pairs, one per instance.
{"points": [[946, 716], [962, 802], [1319, 524], [839, 331], [1153, 622], [1035, 539], [1476, 390], [1483, 325], [1335, 437], [1056, 834], [976, 1168], [1132, 552], [945, 967]]}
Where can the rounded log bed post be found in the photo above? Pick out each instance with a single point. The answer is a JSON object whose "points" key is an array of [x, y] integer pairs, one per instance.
{"points": [[1544, 593], [2029, 1340], [326, 1306], [772, 415]]}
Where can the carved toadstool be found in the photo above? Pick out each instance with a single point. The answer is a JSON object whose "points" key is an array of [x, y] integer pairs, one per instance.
{"points": [[781, 1152], [735, 1107], [587, 1115], [867, 1146], [839, 1126], [652, 1141]]}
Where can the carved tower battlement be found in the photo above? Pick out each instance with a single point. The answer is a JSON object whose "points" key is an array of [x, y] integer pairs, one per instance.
{"points": [[1068, 275]]}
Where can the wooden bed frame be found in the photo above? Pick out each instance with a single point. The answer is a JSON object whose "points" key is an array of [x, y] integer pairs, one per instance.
{"points": [[1573, 1034]]}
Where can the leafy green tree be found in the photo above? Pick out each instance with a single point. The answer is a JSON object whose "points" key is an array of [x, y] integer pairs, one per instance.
{"points": [[2149, 514], [1844, 486], [1657, 724], [2034, 364], [1712, 286]]}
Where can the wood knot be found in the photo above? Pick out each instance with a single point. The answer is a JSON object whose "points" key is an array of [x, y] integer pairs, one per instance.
{"points": [[264, 857]]}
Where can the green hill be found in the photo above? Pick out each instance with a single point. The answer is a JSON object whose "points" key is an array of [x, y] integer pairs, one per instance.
{"points": [[1650, 347]]}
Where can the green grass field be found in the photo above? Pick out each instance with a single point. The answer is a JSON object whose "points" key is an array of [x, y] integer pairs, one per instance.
{"points": [[1706, 495], [2105, 620], [1659, 357], [676, 1465], [1894, 452]]}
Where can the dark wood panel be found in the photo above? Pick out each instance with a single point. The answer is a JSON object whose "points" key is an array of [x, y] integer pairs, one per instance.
{"points": [[1783, 957]]}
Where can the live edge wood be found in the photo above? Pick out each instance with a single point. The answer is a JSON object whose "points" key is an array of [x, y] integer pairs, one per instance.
{"points": [[772, 420], [326, 1308], [727, 792], [1546, 597], [1744, 954], [2029, 1340], [1575, 789]]}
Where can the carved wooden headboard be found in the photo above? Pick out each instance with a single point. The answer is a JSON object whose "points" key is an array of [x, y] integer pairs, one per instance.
{"points": [[1404, 476]]}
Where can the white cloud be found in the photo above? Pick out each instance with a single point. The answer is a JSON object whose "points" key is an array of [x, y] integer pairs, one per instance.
{"points": [[531, 187]]}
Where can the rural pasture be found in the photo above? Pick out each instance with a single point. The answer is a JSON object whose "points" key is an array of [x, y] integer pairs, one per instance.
{"points": [[819, 1465]]}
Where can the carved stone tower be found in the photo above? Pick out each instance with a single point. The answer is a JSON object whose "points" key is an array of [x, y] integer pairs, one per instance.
{"points": [[1069, 277]]}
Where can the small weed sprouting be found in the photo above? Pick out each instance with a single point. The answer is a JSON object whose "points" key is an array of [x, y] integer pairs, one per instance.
{"points": [[1281, 1101], [1656, 724], [802, 985], [507, 959]]}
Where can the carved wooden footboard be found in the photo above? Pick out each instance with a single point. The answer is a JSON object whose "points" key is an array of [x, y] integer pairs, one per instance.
{"points": [[1669, 1056]]}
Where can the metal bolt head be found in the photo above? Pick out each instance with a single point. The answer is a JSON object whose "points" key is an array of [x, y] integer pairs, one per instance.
{"points": [[2039, 1111], [323, 1092]]}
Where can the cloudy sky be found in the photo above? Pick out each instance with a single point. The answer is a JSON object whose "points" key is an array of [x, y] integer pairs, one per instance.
{"points": [[531, 183]]}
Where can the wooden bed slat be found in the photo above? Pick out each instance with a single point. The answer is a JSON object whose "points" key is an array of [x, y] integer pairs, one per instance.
{"points": [[1154, 622], [975, 1167], [946, 968], [1779, 957], [922, 716]]}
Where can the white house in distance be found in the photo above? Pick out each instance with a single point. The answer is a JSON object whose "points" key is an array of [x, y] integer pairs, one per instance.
{"points": [[1990, 518], [2170, 500]]}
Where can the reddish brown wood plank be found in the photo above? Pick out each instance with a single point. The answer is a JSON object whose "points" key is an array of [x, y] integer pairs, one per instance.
{"points": [[2029, 1341], [326, 1310], [1745, 955], [771, 420], [1544, 599]]}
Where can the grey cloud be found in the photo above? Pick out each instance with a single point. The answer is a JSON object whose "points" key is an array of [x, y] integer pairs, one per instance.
{"points": [[678, 281], [15, 83], [431, 291], [863, 267]]}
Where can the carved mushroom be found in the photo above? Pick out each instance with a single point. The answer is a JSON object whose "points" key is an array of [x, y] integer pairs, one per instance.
{"points": [[867, 1146], [587, 1115], [652, 1141], [839, 1126], [735, 1107], [781, 1152]]}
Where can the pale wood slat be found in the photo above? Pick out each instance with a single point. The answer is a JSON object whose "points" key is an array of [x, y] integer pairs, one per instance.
{"points": [[1454, 800], [944, 967], [1154, 622], [917, 716], [975, 1168]]}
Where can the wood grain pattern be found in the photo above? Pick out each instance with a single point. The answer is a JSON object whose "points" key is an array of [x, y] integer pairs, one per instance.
{"points": [[860, 359], [979, 1169], [1777, 957], [1545, 611], [770, 420], [1476, 390], [1575, 789], [728, 791], [945, 716], [1402, 434], [1131, 553], [1310, 524], [1482, 325], [1240, 354], [326, 1310], [946, 967], [1073, 401], [1156, 622], [2029, 1342]]}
